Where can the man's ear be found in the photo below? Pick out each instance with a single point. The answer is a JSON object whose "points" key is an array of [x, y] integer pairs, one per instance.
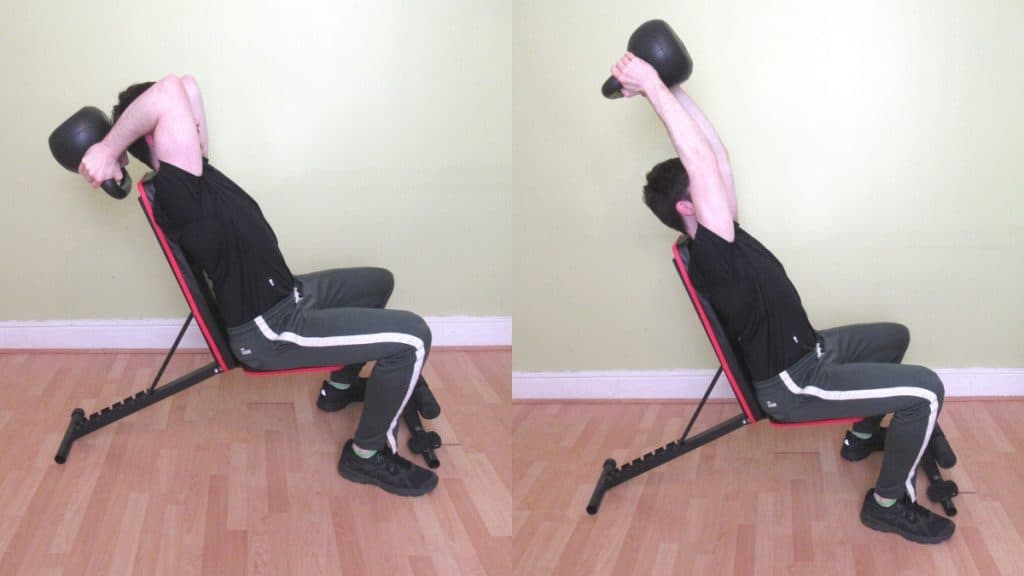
{"points": [[685, 208]]}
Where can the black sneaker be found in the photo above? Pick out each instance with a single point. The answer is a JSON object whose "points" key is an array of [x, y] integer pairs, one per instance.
{"points": [[908, 519], [855, 449], [331, 399], [387, 470]]}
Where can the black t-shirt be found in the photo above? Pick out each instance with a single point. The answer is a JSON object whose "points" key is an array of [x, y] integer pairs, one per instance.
{"points": [[222, 229], [757, 304]]}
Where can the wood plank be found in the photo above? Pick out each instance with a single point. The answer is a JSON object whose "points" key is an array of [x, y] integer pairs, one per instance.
{"points": [[238, 474], [761, 500]]}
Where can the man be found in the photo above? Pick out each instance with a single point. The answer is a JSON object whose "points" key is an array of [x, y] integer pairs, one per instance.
{"points": [[275, 320], [799, 374]]}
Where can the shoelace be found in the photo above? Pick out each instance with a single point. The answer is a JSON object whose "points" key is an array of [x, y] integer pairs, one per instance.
{"points": [[394, 462], [911, 510]]}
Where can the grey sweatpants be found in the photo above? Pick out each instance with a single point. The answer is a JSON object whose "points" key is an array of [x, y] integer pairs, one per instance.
{"points": [[338, 317], [856, 371]]}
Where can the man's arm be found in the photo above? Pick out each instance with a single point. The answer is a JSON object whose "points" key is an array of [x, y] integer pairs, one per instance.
{"points": [[195, 98], [163, 111], [706, 187], [721, 154]]}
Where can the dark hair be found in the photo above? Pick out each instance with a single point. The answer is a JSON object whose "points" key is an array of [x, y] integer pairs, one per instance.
{"points": [[667, 184], [139, 148]]}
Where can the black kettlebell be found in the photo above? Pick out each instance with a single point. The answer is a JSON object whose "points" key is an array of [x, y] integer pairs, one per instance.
{"points": [[69, 142], [656, 43]]}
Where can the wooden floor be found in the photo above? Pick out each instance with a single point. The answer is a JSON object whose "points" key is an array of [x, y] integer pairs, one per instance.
{"points": [[238, 475], [761, 500]]}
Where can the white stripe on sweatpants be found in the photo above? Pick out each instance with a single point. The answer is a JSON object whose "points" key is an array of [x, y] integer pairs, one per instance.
{"points": [[357, 340], [866, 394]]}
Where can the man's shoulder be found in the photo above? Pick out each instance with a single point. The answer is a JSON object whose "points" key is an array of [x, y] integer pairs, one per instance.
{"points": [[706, 239]]}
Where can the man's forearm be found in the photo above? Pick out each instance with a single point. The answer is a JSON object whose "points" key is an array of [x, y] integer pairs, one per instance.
{"points": [[689, 140], [136, 121]]}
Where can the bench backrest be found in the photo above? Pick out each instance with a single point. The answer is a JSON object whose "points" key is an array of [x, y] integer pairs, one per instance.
{"points": [[732, 366], [192, 282]]}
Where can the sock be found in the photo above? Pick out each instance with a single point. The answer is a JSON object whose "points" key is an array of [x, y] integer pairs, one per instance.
{"points": [[339, 385], [884, 502], [363, 453], [861, 435]]}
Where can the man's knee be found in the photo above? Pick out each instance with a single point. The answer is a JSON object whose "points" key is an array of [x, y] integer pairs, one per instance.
{"points": [[901, 334], [421, 330], [935, 385], [898, 337], [926, 379], [417, 330], [382, 280], [927, 395]]}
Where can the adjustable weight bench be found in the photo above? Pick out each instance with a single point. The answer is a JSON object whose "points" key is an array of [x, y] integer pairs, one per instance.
{"points": [[203, 309], [938, 453]]}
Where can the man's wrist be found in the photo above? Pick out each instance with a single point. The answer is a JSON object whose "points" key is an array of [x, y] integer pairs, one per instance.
{"points": [[658, 94], [110, 149]]}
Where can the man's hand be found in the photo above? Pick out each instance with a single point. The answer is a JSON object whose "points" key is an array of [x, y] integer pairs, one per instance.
{"points": [[101, 163], [635, 75]]}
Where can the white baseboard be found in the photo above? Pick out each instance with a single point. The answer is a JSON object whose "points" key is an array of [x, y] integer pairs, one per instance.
{"points": [[691, 384], [470, 331], [159, 333]]}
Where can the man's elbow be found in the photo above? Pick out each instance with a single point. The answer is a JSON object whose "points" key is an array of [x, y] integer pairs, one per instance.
{"points": [[190, 84], [698, 157], [172, 90], [170, 82]]}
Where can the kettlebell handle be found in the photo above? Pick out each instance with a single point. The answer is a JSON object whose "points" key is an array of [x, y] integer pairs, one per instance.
{"points": [[118, 191], [612, 88]]}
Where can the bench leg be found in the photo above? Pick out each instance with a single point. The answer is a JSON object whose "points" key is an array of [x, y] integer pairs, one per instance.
{"points": [[81, 425]]}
